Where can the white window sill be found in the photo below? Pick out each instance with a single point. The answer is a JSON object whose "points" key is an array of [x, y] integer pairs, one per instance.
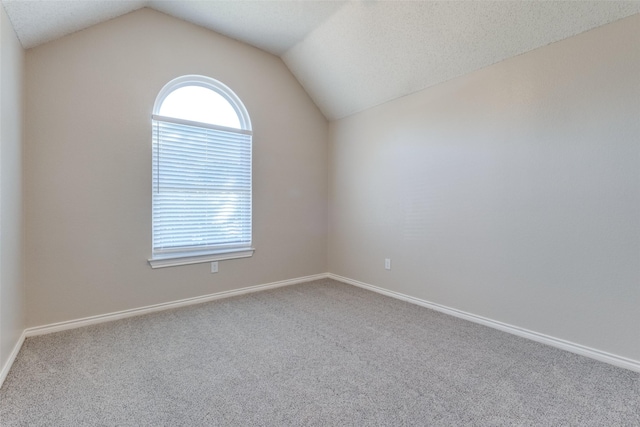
{"points": [[171, 260]]}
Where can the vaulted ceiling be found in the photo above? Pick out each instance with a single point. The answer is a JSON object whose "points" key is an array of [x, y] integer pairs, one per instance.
{"points": [[352, 55]]}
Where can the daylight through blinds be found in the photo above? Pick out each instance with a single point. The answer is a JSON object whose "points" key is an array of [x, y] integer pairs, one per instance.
{"points": [[201, 187]]}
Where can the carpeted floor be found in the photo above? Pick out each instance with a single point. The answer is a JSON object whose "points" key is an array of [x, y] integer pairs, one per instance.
{"points": [[316, 354]]}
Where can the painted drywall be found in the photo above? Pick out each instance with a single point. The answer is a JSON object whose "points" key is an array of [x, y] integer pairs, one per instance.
{"points": [[511, 193], [89, 98], [12, 302]]}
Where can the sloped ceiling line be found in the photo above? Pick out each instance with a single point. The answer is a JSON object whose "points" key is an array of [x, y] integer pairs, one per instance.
{"points": [[351, 55]]}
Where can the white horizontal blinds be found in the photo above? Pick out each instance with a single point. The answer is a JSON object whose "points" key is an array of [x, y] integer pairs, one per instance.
{"points": [[201, 187]]}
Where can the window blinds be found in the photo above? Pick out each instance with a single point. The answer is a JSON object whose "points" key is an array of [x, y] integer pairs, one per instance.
{"points": [[201, 187]]}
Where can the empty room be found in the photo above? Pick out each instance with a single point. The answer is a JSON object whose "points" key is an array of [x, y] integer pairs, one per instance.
{"points": [[319, 213]]}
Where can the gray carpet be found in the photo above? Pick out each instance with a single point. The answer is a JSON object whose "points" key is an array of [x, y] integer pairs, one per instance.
{"points": [[316, 354]]}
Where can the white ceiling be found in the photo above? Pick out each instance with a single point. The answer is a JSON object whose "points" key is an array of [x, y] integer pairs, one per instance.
{"points": [[351, 55]]}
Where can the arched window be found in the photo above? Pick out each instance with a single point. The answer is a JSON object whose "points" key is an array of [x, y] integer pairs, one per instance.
{"points": [[201, 173]]}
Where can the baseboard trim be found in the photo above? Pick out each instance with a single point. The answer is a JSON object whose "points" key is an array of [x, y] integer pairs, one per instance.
{"points": [[602, 356], [12, 357], [619, 361], [109, 317]]}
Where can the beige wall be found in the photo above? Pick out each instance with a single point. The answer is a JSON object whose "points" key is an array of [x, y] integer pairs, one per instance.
{"points": [[511, 193], [12, 304], [88, 167]]}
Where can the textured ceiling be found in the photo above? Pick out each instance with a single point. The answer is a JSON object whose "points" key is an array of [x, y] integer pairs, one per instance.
{"points": [[371, 52], [40, 21], [274, 26], [352, 55]]}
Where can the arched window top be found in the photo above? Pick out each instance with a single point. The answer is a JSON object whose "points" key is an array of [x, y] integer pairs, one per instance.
{"points": [[201, 174], [201, 99]]}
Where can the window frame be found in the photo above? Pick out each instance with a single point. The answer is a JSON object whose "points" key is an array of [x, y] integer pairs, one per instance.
{"points": [[168, 258]]}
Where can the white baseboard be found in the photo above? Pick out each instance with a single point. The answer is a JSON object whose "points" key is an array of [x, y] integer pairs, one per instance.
{"points": [[92, 320], [602, 356], [12, 357], [622, 362]]}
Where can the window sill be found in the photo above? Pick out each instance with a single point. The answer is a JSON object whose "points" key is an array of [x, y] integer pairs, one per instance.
{"points": [[171, 260]]}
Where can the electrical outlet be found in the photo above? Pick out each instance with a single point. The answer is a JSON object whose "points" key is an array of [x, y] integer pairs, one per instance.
{"points": [[387, 263], [214, 267]]}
